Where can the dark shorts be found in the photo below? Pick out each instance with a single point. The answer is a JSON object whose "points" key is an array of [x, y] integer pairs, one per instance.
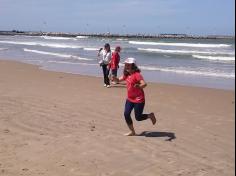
{"points": [[114, 72]]}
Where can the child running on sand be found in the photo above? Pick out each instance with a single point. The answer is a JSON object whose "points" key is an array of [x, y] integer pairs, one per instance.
{"points": [[114, 63], [136, 97]]}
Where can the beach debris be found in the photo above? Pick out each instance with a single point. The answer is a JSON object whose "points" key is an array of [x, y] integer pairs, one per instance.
{"points": [[92, 126], [6, 131], [25, 169]]}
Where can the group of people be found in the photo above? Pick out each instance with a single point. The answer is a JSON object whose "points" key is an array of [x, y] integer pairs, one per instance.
{"points": [[109, 63], [134, 82]]}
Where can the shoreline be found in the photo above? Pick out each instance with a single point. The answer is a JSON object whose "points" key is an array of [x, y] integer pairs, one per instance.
{"points": [[58, 124], [99, 77]]}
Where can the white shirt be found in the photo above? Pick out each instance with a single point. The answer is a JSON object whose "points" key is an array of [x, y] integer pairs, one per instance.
{"points": [[106, 57]]}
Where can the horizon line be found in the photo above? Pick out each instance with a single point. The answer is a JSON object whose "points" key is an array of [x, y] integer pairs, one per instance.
{"points": [[108, 34]]}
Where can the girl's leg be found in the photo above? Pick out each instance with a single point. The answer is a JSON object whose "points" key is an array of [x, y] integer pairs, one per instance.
{"points": [[153, 118], [113, 75], [107, 76], [104, 69], [128, 109], [138, 110]]}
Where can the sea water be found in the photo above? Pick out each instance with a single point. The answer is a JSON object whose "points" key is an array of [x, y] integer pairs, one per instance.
{"points": [[195, 62]]}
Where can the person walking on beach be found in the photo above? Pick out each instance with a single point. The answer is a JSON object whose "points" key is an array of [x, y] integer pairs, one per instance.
{"points": [[106, 58], [136, 97], [114, 63]]}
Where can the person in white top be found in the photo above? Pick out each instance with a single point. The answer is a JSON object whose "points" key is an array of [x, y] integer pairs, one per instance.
{"points": [[106, 58]]}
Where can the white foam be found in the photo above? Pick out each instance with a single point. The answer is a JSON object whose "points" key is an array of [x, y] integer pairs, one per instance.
{"points": [[96, 49], [198, 45], [183, 71], [82, 37], [183, 51], [56, 54], [121, 39], [2, 49], [216, 58], [189, 72], [52, 45], [91, 49], [167, 56], [56, 38], [71, 63]]}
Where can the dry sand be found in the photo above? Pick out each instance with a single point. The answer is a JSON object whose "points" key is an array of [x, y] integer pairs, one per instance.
{"points": [[58, 124]]}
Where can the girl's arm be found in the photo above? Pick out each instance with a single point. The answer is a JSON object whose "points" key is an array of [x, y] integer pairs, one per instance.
{"points": [[99, 52], [141, 84], [120, 79]]}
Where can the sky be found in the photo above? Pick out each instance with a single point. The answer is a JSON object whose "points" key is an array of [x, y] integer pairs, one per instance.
{"points": [[195, 17]]}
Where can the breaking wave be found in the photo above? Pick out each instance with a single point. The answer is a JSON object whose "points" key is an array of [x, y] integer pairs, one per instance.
{"points": [[191, 72], [56, 54], [198, 45], [214, 58], [52, 45], [183, 51]]}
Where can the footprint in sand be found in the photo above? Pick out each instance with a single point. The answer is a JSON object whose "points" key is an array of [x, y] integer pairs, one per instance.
{"points": [[92, 126]]}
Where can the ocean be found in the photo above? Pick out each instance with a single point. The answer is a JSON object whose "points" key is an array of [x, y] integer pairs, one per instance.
{"points": [[194, 62]]}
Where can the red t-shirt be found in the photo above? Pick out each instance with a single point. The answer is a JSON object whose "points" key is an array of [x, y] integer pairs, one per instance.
{"points": [[115, 59], [135, 95]]}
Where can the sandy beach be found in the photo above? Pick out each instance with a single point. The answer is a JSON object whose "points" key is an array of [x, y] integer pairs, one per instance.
{"points": [[58, 124]]}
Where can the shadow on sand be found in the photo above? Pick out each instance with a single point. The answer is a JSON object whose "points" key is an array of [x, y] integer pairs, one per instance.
{"points": [[170, 136]]}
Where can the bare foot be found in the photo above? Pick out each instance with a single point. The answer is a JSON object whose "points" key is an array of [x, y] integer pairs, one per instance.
{"points": [[130, 134], [153, 118]]}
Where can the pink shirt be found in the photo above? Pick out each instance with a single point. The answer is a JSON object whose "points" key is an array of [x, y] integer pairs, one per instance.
{"points": [[135, 95]]}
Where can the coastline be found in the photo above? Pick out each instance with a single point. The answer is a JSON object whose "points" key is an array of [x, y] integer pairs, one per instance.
{"points": [[169, 66], [109, 35], [58, 124]]}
